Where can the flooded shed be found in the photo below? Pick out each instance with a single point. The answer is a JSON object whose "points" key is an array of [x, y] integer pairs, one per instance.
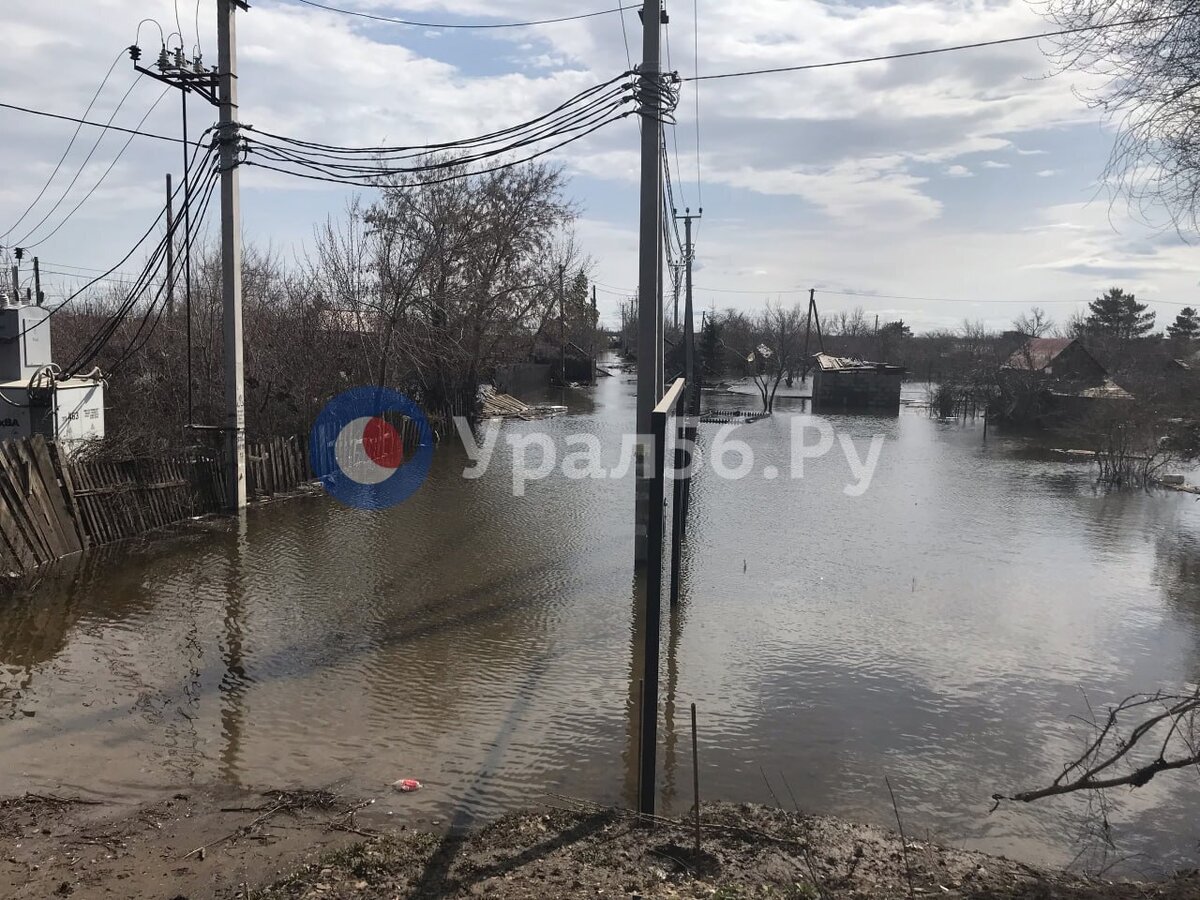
{"points": [[845, 383]]}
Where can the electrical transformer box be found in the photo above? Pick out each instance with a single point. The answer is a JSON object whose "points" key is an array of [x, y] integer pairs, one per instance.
{"points": [[69, 412], [24, 342]]}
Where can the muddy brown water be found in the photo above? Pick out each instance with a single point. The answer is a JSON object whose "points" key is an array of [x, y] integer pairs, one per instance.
{"points": [[942, 630]]}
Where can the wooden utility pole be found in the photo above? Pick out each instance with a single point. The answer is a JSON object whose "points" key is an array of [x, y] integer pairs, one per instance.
{"points": [[231, 253], [649, 345]]}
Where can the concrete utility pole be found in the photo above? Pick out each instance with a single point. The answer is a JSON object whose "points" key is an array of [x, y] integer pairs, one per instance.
{"points": [[562, 325], [170, 251], [231, 254], [689, 328], [677, 269], [649, 343]]}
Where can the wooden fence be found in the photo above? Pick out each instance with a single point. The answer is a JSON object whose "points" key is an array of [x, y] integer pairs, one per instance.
{"points": [[51, 507]]}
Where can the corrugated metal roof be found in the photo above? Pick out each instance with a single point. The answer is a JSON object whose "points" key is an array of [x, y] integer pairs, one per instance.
{"points": [[829, 363]]}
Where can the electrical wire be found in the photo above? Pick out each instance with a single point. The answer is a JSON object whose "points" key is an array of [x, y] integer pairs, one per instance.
{"points": [[100, 180], [468, 26], [935, 50], [625, 38], [375, 180], [674, 128], [105, 275], [49, 115], [574, 119], [92, 347], [164, 290], [696, 95], [420, 149], [70, 144], [866, 295], [82, 166]]}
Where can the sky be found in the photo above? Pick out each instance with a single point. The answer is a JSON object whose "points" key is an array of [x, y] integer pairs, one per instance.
{"points": [[952, 187]]}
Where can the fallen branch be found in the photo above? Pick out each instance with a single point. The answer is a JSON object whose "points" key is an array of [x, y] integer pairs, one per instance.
{"points": [[1092, 769]]}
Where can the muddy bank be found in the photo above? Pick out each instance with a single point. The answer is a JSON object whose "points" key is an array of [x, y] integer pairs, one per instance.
{"points": [[288, 845], [188, 845]]}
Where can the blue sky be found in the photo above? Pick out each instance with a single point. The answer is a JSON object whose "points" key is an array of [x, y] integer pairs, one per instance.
{"points": [[960, 178]]}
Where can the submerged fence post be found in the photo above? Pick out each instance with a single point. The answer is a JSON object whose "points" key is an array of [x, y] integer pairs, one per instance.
{"points": [[654, 567]]}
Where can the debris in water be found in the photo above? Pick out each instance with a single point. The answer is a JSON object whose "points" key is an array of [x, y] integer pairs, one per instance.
{"points": [[407, 785]]}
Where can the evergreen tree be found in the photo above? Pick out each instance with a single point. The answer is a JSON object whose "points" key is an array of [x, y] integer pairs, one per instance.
{"points": [[1186, 325], [1118, 315]]}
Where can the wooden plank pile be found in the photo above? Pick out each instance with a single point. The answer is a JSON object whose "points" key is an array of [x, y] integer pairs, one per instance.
{"points": [[503, 406]]}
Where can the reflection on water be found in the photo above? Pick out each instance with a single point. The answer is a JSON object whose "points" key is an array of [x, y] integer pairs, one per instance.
{"points": [[938, 629]]}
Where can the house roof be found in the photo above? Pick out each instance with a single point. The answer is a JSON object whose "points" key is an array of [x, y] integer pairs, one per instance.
{"points": [[1037, 353], [829, 363]]}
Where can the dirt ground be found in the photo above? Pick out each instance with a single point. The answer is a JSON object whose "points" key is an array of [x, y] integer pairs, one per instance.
{"points": [[312, 844], [52, 846]]}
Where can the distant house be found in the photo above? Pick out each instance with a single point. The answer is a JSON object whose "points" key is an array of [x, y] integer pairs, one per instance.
{"points": [[1059, 358], [1057, 378]]}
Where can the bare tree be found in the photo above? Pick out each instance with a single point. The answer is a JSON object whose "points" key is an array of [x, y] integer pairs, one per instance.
{"points": [[777, 352], [1036, 323], [1161, 737], [1147, 53]]}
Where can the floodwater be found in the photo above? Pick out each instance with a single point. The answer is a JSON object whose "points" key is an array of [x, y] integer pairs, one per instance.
{"points": [[941, 629]]}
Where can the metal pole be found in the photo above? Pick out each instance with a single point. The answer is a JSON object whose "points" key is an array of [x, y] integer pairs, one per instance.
{"points": [[170, 251], [649, 271], [592, 336], [187, 251], [231, 257], [38, 297], [696, 781], [16, 285]]}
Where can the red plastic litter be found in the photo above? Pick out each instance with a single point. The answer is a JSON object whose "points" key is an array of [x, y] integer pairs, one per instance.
{"points": [[407, 785]]}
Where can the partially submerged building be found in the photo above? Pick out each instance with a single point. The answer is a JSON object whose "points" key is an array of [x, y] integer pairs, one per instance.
{"points": [[845, 383], [1056, 378]]}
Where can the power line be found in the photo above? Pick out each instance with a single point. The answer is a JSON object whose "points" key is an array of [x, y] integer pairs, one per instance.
{"points": [[935, 50], [50, 115], [99, 181], [468, 26], [867, 296], [625, 37], [70, 144], [864, 295], [674, 128], [83, 165], [696, 92]]}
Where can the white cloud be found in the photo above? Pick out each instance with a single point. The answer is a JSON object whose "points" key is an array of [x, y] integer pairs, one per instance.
{"points": [[798, 167]]}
